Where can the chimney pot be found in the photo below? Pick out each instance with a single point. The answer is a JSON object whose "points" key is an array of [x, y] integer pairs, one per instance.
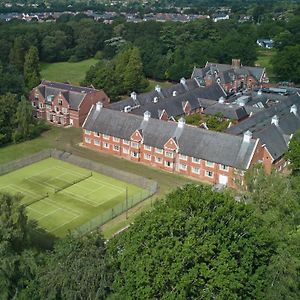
{"points": [[99, 105], [275, 120], [147, 115], [158, 88], [293, 109], [247, 136], [181, 122], [133, 95]]}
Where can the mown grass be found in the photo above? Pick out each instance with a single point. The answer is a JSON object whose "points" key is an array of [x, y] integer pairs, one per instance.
{"points": [[73, 72], [68, 139], [264, 60]]}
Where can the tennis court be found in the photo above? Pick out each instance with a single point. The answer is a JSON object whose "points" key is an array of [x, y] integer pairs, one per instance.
{"points": [[61, 196]]}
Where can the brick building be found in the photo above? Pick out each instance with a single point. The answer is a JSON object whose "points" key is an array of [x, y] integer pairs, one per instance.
{"points": [[232, 77], [64, 104], [214, 157]]}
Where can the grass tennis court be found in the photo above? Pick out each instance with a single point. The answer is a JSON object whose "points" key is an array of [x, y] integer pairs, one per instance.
{"points": [[61, 196]]}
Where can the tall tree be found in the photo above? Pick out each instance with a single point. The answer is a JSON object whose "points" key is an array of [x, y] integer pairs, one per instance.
{"points": [[293, 154], [23, 120], [76, 269], [17, 53], [198, 244], [32, 75]]}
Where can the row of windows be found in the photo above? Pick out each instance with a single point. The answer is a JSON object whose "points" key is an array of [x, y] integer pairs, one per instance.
{"points": [[169, 154]]}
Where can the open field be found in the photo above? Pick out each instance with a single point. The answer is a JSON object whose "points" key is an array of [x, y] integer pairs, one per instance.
{"points": [[68, 139], [61, 196], [67, 71], [264, 60]]}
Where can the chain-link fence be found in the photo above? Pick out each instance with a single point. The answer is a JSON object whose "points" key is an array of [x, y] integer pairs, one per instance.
{"points": [[149, 186]]}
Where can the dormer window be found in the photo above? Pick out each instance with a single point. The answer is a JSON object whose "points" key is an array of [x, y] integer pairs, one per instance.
{"points": [[59, 102]]}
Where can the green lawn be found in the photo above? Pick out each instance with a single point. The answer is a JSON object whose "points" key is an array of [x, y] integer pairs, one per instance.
{"points": [[264, 60], [153, 83], [61, 196], [66, 71], [68, 139]]}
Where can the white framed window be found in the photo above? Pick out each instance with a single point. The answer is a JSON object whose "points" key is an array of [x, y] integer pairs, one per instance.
{"points": [[96, 133], [148, 148], [105, 145], [125, 150], [182, 157], [105, 136], [125, 142], [116, 148], [169, 154], [183, 167], [97, 142], [88, 140], [134, 145], [147, 156], [196, 160], [59, 102], [158, 160], [115, 139], [33, 104], [135, 154], [160, 151], [56, 108], [224, 168], [64, 110], [168, 164], [87, 132], [209, 164], [41, 105], [195, 170], [209, 173]]}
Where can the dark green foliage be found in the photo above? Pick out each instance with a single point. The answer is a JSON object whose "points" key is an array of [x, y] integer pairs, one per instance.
{"points": [[32, 75], [77, 268], [293, 154], [198, 244]]}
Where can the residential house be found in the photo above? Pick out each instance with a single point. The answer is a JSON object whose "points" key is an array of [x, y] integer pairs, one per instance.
{"points": [[64, 104], [265, 43], [232, 77], [274, 127], [214, 157]]}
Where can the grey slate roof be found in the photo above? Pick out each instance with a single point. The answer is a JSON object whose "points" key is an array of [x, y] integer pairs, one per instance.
{"points": [[228, 111], [165, 93], [192, 141], [73, 94], [274, 137]]}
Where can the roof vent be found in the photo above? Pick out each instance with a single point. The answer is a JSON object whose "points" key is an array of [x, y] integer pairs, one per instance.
{"points": [[99, 105], [133, 95], [275, 120], [147, 115], [158, 88], [174, 93], [181, 122], [155, 99], [247, 136], [293, 109], [127, 108], [183, 81], [259, 92], [221, 100]]}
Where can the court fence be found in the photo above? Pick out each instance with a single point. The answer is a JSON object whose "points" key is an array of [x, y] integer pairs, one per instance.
{"points": [[149, 186]]}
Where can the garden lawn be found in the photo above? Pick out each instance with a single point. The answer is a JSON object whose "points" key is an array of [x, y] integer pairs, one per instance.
{"points": [[73, 72]]}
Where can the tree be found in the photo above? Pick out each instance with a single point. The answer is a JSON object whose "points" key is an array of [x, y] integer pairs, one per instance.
{"points": [[133, 75], [77, 268], [32, 75], [17, 53], [293, 153], [23, 120], [197, 244]]}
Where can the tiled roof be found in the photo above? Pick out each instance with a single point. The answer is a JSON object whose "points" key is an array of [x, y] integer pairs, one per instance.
{"points": [[192, 141]]}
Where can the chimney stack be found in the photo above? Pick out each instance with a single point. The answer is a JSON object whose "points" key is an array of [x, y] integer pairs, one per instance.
{"points": [[158, 88], [99, 105], [247, 136], [181, 122], [182, 81], [133, 95], [236, 63], [221, 100], [293, 109], [147, 115], [275, 120]]}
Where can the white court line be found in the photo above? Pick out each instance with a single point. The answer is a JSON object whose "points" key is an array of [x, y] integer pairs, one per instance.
{"points": [[35, 210], [50, 213], [39, 173], [55, 228], [84, 200], [90, 192], [99, 180], [74, 212], [25, 192], [42, 184]]}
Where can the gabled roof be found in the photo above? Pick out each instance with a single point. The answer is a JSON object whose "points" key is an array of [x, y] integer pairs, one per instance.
{"points": [[73, 94], [228, 111], [274, 137], [192, 141]]}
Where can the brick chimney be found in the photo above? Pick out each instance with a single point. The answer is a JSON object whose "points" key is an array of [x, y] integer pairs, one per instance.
{"points": [[236, 63]]}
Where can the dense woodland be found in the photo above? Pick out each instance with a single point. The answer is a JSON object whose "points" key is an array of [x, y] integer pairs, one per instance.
{"points": [[195, 243]]}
